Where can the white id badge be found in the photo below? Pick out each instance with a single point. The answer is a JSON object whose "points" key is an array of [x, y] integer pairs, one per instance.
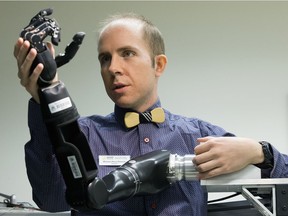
{"points": [[113, 160]]}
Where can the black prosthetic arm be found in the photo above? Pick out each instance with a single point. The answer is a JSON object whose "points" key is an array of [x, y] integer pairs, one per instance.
{"points": [[71, 147], [35, 32], [147, 174], [143, 175]]}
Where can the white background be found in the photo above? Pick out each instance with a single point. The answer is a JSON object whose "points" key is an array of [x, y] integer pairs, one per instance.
{"points": [[227, 64]]}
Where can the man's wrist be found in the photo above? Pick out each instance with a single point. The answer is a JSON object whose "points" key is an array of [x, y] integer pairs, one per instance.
{"points": [[268, 162]]}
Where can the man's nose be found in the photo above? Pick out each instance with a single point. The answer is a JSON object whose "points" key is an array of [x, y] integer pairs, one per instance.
{"points": [[115, 66]]}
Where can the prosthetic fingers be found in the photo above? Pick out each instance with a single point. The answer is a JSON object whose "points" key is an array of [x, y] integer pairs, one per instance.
{"points": [[39, 27], [143, 175]]}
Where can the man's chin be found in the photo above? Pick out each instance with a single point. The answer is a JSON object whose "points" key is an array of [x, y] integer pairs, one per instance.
{"points": [[123, 104]]}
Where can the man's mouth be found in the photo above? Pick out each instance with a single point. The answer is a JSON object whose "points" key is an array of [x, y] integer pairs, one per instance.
{"points": [[118, 86]]}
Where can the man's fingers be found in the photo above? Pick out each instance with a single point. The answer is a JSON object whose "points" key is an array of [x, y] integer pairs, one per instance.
{"points": [[51, 48], [22, 52], [204, 139], [209, 174], [27, 82], [24, 68], [17, 46], [202, 158], [204, 167], [203, 147]]}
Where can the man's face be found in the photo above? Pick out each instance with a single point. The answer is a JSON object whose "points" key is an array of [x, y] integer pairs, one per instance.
{"points": [[129, 76]]}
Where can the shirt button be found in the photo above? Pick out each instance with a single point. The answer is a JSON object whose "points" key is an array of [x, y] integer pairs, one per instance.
{"points": [[153, 205], [146, 140]]}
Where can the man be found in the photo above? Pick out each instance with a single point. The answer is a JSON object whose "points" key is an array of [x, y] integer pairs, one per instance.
{"points": [[132, 59]]}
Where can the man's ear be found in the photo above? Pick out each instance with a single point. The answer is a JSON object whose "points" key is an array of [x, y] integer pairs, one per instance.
{"points": [[160, 64]]}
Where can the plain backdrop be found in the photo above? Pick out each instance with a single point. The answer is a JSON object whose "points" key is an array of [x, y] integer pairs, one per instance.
{"points": [[227, 64]]}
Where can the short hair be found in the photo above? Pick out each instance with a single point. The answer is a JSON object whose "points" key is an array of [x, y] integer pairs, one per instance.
{"points": [[151, 33]]}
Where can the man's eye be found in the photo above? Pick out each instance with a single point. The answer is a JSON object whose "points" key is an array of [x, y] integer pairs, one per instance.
{"points": [[128, 53], [104, 59]]}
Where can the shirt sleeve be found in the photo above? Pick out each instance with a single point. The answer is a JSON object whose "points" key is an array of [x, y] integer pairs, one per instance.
{"points": [[43, 171], [280, 169], [209, 129]]}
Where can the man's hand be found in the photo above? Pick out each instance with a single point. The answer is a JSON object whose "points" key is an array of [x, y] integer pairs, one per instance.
{"points": [[25, 57], [221, 155]]}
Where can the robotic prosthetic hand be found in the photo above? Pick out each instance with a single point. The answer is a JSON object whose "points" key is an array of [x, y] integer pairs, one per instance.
{"points": [[35, 32], [143, 175]]}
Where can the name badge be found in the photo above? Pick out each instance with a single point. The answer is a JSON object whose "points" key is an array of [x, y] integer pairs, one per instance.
{"points": [[113, 160]]}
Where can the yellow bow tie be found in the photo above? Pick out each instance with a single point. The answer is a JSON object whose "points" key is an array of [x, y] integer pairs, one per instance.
{"points": [[132, 119]]}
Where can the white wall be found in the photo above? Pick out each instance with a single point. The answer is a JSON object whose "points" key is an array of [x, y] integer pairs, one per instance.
{"points": [[227, 65]]}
